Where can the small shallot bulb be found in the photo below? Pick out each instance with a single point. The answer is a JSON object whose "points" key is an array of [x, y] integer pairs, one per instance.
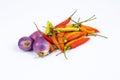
{"points": [[41, 46]]}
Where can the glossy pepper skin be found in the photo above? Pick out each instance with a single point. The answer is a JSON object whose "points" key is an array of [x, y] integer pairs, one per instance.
{"points": [[74, 35], [75, 43], [65, 22]]}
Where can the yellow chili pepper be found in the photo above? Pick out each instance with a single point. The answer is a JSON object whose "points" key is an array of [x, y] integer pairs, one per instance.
{"points": [[66, 29], [69, 26], [48, 28]]}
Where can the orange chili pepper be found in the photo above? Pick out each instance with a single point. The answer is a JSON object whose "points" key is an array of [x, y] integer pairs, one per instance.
{"points": [[54, 39], [68, 34], [87, 31], [88, 28], [70, 42], [60, 37], [74, 35], [51, 47]]}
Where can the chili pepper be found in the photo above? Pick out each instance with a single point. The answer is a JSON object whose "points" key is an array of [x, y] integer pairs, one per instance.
{"points": [[66, 29], [47, 38], [79, 42], [68, 34], [51, 47], [49, 28], [69, 25], [65, 22], [87, 31], [60, 37], [75, 35], [75, 43], [54, 39], [57, 43], [70, 42], [89, 28]]}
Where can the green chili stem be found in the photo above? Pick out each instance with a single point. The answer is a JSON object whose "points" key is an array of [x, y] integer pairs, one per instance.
{"points": [[97, 35], [65, 48], [89, 19], [37, 28], [73, 13]]}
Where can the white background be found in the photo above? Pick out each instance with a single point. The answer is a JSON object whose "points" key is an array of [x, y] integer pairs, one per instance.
{"points": [[99, 59]]}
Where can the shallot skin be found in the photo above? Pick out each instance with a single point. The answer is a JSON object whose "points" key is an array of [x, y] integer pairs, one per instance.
{"points": [[25, 43], [41, 46]]}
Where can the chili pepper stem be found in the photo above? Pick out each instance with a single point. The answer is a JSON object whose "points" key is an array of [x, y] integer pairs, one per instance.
{"points": [[58, 53], [65, 48], [89, 19], [65, 56], [73, 13], [97, 35], [37, 28]]}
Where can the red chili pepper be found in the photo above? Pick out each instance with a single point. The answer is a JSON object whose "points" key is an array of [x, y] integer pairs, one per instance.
{"points": [[75, 43], [65, 22], [79, 42], [47, 38]]}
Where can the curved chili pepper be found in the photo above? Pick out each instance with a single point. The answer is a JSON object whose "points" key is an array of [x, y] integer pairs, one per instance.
{"points": [[65, 22]]}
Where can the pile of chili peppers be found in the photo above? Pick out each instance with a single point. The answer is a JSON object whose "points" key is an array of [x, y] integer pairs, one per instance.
{"points": [[68, 34]]}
